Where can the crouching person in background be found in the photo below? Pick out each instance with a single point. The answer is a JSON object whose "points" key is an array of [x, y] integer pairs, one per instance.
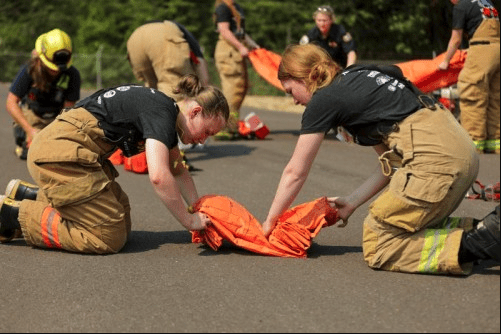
{"points": [[47, 84]]}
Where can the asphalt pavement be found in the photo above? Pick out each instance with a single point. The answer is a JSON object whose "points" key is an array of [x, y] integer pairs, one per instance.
{"points": [[161, 282]]}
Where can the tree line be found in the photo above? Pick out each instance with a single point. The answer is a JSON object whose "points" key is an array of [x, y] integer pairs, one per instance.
{"points": [[382, 29]]}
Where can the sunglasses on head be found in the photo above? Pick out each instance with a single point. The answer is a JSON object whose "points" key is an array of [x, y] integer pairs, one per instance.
{"points": [[325, 9]]}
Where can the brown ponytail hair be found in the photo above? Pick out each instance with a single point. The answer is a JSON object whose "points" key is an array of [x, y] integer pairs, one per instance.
{"points": [[39, 73], [234, 11], [308, 63], [210, 98]]}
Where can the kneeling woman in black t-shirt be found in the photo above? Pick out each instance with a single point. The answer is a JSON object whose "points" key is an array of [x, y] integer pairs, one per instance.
{"points": [[79, 206], [427, 159]]}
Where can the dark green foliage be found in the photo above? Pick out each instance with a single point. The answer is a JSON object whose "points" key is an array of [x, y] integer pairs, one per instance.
{"points": [[383, 29]]}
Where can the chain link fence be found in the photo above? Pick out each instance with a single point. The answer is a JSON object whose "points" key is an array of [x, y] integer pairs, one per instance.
{"points": [[96, 70], [106, 70]]}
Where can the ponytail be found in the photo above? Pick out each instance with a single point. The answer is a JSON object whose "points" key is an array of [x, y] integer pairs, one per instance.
{"points": [[39, 74], [188, 86], [210, 98], [308, 63]]}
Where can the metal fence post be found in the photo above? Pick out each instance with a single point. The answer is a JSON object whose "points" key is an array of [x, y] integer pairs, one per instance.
{"points": [[99, 53]]}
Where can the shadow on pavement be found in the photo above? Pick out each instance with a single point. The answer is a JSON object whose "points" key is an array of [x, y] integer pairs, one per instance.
{"points": [[487, 268], [317, 250], [143, 241], [219, 151]]}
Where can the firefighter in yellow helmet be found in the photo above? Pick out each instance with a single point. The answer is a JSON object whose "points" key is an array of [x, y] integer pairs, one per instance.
{"points": [[44, 86]]}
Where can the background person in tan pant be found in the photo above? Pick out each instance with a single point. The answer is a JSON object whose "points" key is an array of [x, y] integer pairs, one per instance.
{"points": [[76, 204], [479, 80], [427, 161], [230, 55], [161, 52]]}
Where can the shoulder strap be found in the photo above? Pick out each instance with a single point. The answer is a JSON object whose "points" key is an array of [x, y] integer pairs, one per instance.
{"points": [[63, 81]]}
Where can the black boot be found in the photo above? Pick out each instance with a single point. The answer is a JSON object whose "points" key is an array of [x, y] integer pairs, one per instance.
{"points": [[9, 221], [19, 190], [483, 242]]}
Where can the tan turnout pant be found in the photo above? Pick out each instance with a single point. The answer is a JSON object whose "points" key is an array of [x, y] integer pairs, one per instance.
{"points": [[232, 68], [79, 207], [479, 89], [159, 55], [35, 121], [407, 229]]}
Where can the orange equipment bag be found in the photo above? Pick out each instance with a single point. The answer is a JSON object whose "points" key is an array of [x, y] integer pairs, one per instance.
{"points": [[488, 192], [426, 76], [266, 65], [252, 126], [291, 237], [117, 158], [136, 163]]}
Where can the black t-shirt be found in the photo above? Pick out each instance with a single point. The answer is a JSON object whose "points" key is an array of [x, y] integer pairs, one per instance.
{"points": [[149, 111], [338, 43], [367, 103], [468, 15], [224, 14], [22, 87]]}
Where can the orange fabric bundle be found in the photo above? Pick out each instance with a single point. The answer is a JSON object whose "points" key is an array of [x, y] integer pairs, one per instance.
{"points": [[423, 73], [291, 237], [117, 158], [136, 163], [266, 65], [426, 76]]}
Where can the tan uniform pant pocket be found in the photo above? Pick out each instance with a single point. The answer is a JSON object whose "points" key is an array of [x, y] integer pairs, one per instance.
{"points": [[412, 199]]}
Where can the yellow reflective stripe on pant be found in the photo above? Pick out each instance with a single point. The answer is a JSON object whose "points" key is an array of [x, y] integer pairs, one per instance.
{"points": [[492, 144], [479, 144], [434, 244]]}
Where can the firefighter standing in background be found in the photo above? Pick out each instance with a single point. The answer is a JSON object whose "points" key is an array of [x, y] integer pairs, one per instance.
{"points": [[332, 37], [47, 84], [230, 55], [426, 160], [78, 206], [161, 52], [478, 81]]}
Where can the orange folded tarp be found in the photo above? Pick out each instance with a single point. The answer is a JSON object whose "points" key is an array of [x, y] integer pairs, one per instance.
{"points": [[266, 65], [291, 237], [423, 73], [426, 75]]}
